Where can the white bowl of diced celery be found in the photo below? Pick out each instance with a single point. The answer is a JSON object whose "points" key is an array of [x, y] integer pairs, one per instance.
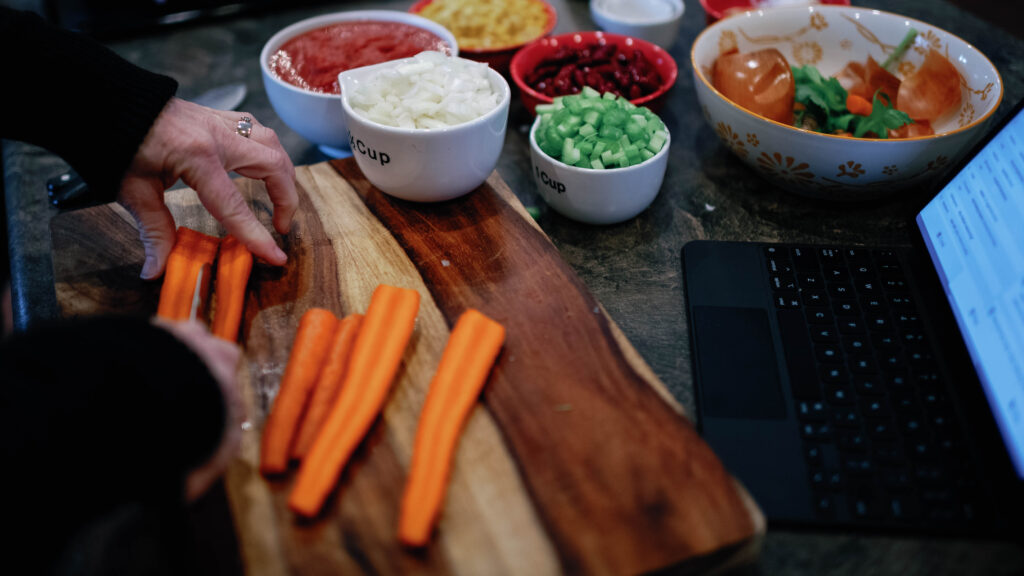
{"points": [[596, 158]]}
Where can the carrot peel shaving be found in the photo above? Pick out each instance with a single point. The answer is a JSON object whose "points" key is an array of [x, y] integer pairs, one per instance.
{"points": [[474, 344], [387, 327]]}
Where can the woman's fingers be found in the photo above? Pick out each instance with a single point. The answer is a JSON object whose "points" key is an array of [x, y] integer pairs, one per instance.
{"points": [[224, 202], [144, 200]]}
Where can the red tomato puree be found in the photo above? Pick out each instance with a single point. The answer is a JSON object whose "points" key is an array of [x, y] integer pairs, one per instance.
{"points": [[314, 59]]}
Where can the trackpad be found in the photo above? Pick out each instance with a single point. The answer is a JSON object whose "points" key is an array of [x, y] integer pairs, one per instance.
{"points": [[738, 375]]}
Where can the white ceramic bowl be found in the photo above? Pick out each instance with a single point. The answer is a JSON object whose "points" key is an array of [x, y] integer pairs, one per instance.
{"points": [[426, 165], [656, 21], [597, 196], [317, 116], [840, 167]]}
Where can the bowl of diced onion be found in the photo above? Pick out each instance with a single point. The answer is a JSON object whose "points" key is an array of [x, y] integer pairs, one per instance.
{"points": [[597, 158], [427, 128], [843, 103], [489, 31], [300, 64]]}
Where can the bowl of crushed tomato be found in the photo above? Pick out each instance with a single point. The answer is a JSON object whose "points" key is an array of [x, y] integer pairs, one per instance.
{"points": [[488, 31], [301, 63], [635, 69]]}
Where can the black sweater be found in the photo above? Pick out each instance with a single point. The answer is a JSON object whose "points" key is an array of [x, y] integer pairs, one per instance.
{"points": [[101, 418]]}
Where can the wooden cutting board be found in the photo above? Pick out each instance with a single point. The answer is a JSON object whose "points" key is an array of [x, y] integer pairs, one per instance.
{"points": [[576, 459]]}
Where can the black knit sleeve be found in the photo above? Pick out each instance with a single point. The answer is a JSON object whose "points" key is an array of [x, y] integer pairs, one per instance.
{"points": [[96, 414], [75, 97]]}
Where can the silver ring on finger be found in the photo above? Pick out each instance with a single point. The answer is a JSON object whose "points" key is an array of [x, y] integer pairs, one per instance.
{"points": [[244, 127]]}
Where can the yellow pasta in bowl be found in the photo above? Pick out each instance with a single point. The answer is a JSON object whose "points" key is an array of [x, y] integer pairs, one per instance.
{"points": [[491, 30]]}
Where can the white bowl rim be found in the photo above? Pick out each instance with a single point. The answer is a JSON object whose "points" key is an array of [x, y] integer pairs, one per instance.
{"points": [[502, 104], [577, 170], [678, 8], [840, 8], [314, 22]]}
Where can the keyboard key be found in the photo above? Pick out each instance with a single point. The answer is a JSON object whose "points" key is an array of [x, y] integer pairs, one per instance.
{"points": [[810, 280], [824, 333], [812, 411], [839, 394], [819, 316], [863, 364], [858, 467], [855, 344], [787, 300], [812, 453], [814, 298], [816, 431], [881, 431], [778, 265], [878, 322], [839, 290], [804, 258], [825, 506], [896, 479], [857, 255], [846, 418], [875, 409], [868, 386], [836, 274], [853, 443], [845, 308], [828, 354], [780, 282], [866, 507], [850, 325], [834, 374], [903, 508]]}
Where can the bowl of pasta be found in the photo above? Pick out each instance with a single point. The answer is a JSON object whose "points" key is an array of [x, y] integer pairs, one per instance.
{"points": [[489, 31], [841, 102]]}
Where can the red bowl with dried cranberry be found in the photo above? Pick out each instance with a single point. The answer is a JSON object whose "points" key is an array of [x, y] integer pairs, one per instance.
{"points": [[559, 65]]}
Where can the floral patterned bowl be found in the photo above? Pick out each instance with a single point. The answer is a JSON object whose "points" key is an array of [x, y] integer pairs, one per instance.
{"points": [[842, 167]]}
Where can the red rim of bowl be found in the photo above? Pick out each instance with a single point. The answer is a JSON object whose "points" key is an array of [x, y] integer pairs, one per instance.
{"points": [[715, 9], [667, 81], [552, 21]]}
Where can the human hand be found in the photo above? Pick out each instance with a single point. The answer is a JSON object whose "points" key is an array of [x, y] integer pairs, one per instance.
{"points": [[200, 145], [222, 358]]}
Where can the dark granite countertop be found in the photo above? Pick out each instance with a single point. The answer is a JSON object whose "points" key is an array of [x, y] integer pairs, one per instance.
{"points": [[633, 268]]}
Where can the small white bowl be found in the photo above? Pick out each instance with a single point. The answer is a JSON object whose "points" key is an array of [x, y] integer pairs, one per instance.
{"points": [[317, 116], [831, 166], [605, 196], [656, 21], [426, 165]]}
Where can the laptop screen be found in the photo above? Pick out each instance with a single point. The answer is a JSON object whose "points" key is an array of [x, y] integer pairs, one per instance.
{"points": [[974, 231]]}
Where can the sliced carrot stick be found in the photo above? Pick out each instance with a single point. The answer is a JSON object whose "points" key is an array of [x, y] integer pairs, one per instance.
{"points": [[378, 351], [858, 105], [309, 353], [471, 350], [234, 264], [191, 251], [328, 384]]}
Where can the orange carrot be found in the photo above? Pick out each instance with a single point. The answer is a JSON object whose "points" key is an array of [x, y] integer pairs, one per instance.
{"points": [[378, 351], [471, 350], [858, 105], [328, 384], [234, 264], [192, 250], [309, 353]]}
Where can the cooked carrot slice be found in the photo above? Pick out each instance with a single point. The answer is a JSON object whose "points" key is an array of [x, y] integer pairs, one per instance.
{"points": [[932, 90], [471, 350], [234, 264], [307, 358], [192, 250], [387, 327], [328, 384], [857, 104]]}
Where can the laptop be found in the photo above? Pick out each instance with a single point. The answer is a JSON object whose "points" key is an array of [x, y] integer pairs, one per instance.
{"points": [[875, 388]]}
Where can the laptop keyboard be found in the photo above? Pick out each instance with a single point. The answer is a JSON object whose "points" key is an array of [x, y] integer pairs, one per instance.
{"points": [[878, 428]]}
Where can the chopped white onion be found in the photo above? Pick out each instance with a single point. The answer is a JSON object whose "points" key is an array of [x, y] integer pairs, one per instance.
{"points": [[430, 91]]}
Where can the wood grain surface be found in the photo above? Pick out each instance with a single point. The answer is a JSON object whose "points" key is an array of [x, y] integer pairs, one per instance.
{"points": [[575, 461]]}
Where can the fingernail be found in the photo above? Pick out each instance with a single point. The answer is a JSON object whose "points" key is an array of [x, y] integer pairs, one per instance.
{"points": [[148, 268], [279, 255]]}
